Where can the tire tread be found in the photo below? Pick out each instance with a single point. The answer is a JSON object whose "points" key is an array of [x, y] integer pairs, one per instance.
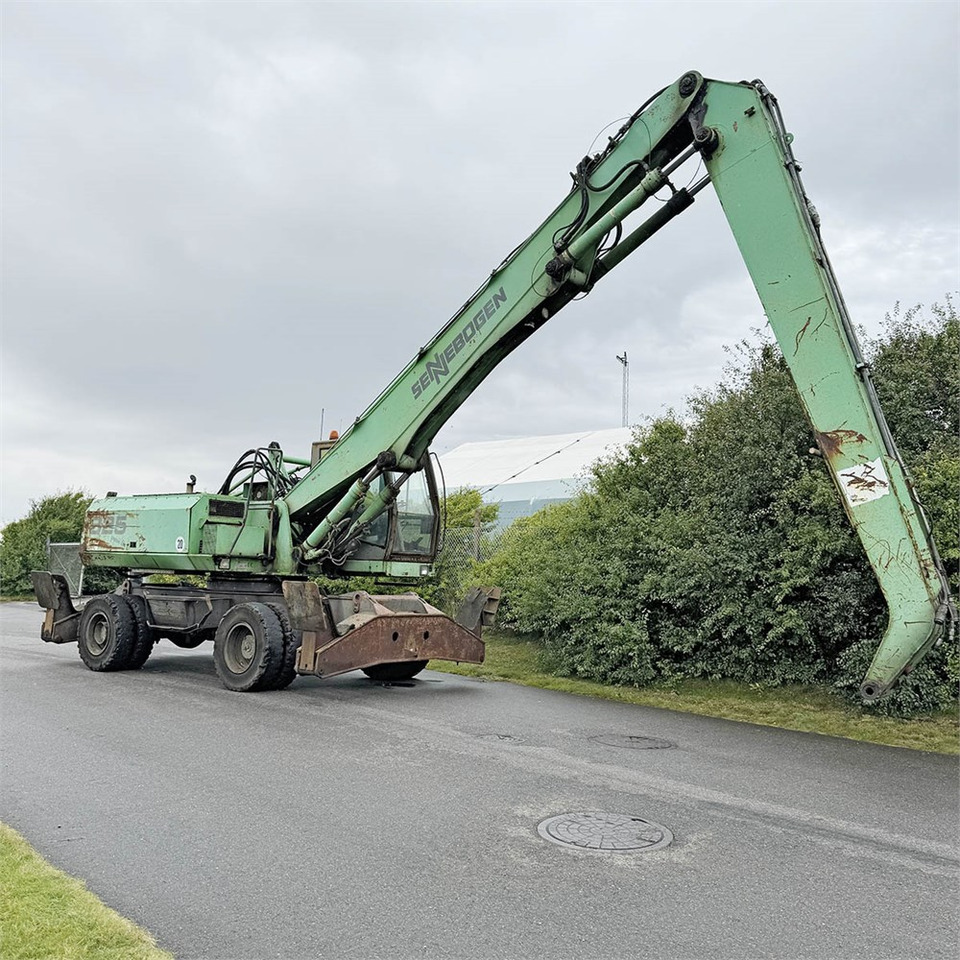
{"points": [[119, 652], [264, 672]]}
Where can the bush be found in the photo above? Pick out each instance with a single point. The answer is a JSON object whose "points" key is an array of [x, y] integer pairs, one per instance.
{"points": [[57, 518], [715, 546], [24, 542]]}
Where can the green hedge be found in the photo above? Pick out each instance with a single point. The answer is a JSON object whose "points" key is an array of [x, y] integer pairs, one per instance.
{"points": [[23, 543], [715, 546]]}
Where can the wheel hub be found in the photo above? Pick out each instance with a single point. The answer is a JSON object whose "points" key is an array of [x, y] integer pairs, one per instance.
{"points": [[240, 648], [98, 635]]}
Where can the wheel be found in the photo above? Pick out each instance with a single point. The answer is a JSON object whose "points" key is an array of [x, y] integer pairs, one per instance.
{"points": [[405, 670], [248, 649], [187, 641], [146, 637], [107, 633], [291, 644]]}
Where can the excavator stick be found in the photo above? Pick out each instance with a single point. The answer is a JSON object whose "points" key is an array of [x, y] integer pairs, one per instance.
{"points": [[357, 631], [756, 177]]}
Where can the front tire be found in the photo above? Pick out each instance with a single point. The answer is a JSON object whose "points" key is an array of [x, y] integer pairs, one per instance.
{"points": [[107, 633], [248, 649], [291, 644], [388, 672]]}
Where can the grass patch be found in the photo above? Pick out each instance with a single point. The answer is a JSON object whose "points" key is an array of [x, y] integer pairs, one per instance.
{"points": [[811, 709], [45, 914]]}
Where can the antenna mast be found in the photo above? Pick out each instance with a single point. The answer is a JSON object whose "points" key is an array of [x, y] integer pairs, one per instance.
{"points": [[626, 389]]}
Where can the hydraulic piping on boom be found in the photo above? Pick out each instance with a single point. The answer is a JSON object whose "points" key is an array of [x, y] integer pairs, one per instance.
{"points": [[367, 502]]}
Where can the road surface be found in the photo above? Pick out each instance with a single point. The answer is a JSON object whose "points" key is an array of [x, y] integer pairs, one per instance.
{"points": [[347, 819]]}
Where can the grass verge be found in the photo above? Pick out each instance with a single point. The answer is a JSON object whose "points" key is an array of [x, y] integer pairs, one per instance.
{"points": [[810, 709], [45, 914]]}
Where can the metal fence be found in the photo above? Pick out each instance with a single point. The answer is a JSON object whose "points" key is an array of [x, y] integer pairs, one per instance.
{"points": [[465, 546], [64, 558]]}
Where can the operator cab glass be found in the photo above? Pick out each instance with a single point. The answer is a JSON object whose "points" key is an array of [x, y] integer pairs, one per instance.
{"points": [[376, 533], [410, 529], [416, 518]]}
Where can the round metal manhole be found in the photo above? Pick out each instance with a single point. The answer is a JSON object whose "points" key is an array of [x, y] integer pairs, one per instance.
{"points": [[633, 742], [609, 832]]}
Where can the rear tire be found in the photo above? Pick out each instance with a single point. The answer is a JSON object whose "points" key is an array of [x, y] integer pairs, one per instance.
{"points": [[386, 672], [248, 650], [146, 637], [107, 633]]}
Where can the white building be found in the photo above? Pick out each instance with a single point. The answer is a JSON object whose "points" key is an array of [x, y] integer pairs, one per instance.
{"points": [[525, 474]]}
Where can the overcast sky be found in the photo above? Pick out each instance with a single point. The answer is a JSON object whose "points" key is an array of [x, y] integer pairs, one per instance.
{"points": [[220, 219]]}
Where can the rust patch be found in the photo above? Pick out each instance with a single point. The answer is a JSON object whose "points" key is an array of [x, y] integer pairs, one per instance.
{"points": [[95, 520], [831, 442], [394, 639], [800, 334], [91, 543], [803, 329]]}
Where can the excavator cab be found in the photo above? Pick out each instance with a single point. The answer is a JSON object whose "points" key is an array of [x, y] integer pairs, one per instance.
{"points": [[416, 518], [408, 532]]}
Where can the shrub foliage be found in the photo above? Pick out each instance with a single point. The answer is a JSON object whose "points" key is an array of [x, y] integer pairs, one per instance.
{"points": [[24, 547], [23, 544], [715, 545]]}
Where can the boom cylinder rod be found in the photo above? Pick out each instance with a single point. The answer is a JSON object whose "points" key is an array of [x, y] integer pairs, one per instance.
{"points": [[648, 186], [377, 504], [343, 507], [587, 240], [673, 207]]}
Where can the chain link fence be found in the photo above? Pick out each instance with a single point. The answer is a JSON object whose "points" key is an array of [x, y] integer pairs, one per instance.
{"points": [[64, 558], [463, 547]]}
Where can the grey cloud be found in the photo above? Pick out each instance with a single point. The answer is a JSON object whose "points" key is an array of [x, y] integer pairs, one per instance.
{"points": [[221, 218]]}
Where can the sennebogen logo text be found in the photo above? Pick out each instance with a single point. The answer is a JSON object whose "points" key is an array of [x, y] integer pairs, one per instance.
{"points": [[439, 366]]}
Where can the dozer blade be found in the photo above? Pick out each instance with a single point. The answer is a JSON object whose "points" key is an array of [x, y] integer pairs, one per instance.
{"points": [[355, 631], [53, 593]]}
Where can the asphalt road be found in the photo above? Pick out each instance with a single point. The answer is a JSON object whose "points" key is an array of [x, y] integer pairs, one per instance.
{"points": [[346, 819]]}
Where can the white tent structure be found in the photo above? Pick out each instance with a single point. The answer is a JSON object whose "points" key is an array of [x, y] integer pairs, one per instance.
{"points": [[526, 474]]}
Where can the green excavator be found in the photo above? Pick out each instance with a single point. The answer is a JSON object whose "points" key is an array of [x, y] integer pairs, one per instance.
{"points": [[367, 502]]}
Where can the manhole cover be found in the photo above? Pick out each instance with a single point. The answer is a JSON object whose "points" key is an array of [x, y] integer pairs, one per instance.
{"points": [[615, 832], [633, 742]]}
